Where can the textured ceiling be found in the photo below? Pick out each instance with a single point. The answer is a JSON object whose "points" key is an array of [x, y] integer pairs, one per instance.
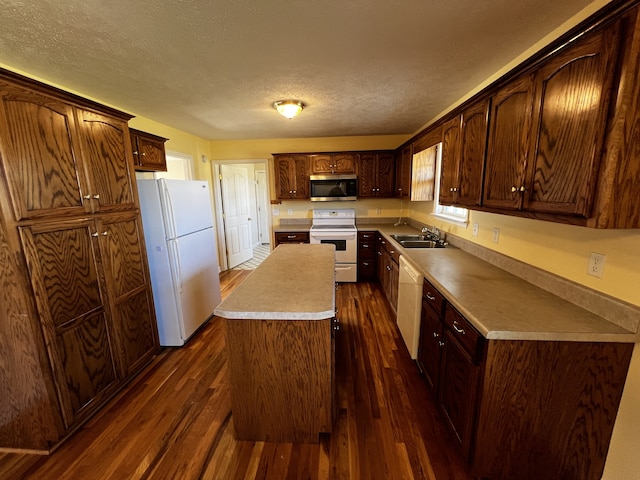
{"points": [[214, 68]]}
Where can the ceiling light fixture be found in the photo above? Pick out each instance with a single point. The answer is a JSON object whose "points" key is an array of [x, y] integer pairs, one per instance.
{"points": [[288, 108]]}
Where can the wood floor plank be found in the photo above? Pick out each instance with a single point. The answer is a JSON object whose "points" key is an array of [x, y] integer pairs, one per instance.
{"points": [[174, 420]]}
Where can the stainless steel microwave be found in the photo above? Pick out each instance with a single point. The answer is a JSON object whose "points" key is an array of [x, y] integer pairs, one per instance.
{"points": [[329, 188]]}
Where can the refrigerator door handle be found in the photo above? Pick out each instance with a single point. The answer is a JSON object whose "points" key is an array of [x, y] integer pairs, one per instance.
{"points": [[170, 220], [176, 260]]}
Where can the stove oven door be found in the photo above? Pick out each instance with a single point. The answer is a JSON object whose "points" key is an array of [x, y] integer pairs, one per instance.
{"points": [[345, 242]]}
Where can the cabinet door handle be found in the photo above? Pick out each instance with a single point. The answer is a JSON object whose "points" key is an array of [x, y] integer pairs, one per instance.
{"points": [[105, 233], [435, 335], [96, 197], [430, 297], [95, 234], [441, 343], [143, 154], [392, 252], [365, 245], [87, 197], [457, 328], [514, 189], [366, 264], [135, 152], [388, 268]]}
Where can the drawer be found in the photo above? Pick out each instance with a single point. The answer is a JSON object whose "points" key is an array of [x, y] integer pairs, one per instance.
{"points": [[292, 237], [393, 252], [432, 297], [464, 333], [367, 248], [366, 269], [367, 237]]}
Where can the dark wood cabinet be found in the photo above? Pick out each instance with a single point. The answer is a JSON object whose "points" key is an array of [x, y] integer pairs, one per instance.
{"points": [[291, 237], [106, 149], [333, 163], [431, 341], [571, 100], [450, 160], [72, 230], [388, 271], [463, 154], [547, 130], [404, 159], [148, 151], [508, 144], [367, 248], [503, 399], [460, 373], [65, 269], [291, 176], [376, 174]]}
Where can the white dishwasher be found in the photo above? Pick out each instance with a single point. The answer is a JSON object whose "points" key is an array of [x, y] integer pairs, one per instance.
{"points": [[409, 306]]}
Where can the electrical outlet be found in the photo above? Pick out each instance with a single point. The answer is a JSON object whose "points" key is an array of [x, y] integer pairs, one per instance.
{"points": [[289, 211], [475, 229], [496, 235], [596, 265], [276, 212], [378, 211]]}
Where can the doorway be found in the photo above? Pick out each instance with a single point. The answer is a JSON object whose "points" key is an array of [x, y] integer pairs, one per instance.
{"points": [[242, 210]]}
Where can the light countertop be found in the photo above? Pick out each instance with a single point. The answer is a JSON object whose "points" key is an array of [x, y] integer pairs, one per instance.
{"points": [[501, 305], [295, 282]]}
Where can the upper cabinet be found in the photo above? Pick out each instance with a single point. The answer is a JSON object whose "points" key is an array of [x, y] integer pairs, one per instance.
{"points": [[404, 157], [547, 130], [292, 176], [333, 163], [105, 143], [556, 138], [571, 102], [463, 154], [508, 144], [61, 159], [375, 174], [148, 151], [41, 154]]}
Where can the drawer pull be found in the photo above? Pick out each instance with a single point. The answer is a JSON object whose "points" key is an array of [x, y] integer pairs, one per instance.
{"points": [[430, 297], [457, 328], [291, 236], [365, 245]]}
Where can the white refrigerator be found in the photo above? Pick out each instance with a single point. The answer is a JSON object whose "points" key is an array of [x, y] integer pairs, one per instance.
{"points": [[183, 258]]}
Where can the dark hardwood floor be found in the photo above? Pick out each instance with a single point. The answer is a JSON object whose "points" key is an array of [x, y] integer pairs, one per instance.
{"points": [[174, 420]]}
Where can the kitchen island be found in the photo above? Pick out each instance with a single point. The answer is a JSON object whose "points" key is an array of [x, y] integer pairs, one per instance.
{"points": [[279, 336]]}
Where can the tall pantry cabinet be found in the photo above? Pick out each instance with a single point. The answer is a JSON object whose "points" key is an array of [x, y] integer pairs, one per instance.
{"points": [[76, 318]]}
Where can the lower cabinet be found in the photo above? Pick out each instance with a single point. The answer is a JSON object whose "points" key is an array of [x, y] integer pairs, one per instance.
{"points": [[388, 271], [291, 237], [94, 303], [366, 255], [523, 409]]}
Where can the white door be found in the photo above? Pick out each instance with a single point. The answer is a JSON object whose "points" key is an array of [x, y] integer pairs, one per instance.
{"points": [[196, 283], [263, 227], [235, 205]]}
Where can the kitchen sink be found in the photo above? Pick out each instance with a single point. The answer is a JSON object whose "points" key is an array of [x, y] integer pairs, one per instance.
{"points": [[418, 241]]}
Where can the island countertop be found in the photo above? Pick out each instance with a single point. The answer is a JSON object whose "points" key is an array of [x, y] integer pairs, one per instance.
{"points": [[295, 282]]}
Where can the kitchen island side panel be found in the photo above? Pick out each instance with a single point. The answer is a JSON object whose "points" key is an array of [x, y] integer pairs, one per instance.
{"points": [[281, 379]]}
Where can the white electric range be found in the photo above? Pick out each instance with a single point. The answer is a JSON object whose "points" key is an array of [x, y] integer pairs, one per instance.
{"points": [[338, 226]]}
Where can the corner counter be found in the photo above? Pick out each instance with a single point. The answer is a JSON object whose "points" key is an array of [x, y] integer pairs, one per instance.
{"points": [[280, 346]]}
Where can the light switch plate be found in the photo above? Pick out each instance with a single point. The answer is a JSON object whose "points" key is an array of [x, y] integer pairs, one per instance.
{"points": [[276, 212], [496, 235], [475, 229]]}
